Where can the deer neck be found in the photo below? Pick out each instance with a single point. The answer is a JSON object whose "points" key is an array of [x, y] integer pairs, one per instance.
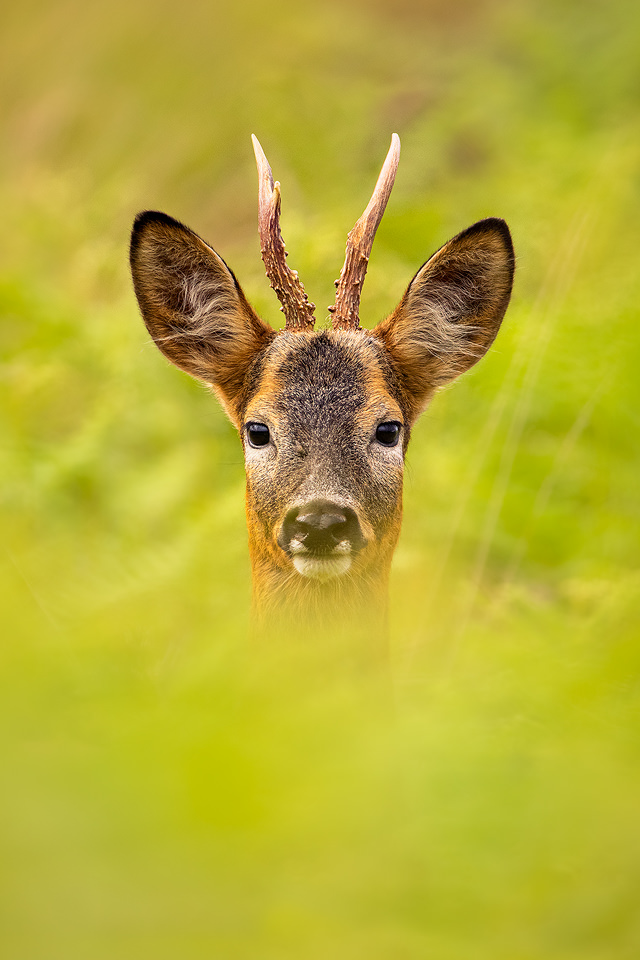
{"points": [[351, 610]]}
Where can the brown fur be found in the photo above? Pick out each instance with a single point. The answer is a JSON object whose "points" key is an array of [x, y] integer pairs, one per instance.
{"points": [[270, 493], [451, 311], [322, 396], [194, 307]]}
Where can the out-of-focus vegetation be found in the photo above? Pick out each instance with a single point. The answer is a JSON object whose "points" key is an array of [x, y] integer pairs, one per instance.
{"points": [[166, 793]]}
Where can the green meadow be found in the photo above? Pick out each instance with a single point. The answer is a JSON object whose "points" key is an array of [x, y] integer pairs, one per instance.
{"points": [[167, 790]]}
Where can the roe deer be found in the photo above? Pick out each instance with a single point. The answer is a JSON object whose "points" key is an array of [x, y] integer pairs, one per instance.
{"points": [[325, 416]]}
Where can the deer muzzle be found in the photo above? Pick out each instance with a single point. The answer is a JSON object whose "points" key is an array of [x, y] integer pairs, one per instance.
{"points": [[321, 538]]}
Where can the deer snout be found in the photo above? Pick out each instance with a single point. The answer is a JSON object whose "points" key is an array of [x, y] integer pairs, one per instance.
{"points": [[318, 533]]}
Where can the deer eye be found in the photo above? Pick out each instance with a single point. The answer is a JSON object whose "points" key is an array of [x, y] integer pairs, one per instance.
{"points": [[388, 433], [258, 434]]}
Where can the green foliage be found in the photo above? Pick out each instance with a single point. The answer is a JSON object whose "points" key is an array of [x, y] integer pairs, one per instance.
{"points": [[168, 790]]}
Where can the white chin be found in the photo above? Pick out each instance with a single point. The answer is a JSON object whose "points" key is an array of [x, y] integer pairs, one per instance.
{"points": [[321, 569]]}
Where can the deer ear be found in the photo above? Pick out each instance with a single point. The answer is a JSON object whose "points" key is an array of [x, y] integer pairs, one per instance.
{"points": [[451, 311], [193, 306]]}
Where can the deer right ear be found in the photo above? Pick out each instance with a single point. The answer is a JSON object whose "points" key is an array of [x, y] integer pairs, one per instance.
{"points": [[451, 311], [193, 306]]}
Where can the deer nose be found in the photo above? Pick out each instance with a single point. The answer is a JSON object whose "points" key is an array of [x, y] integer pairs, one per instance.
{"points": [[319, 526]]}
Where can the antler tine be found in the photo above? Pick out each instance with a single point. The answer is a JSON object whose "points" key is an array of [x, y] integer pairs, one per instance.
{"points": [[297, 308], [359, 243]]}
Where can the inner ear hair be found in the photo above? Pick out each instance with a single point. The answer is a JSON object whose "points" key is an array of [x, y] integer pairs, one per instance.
{"points": [[192, 304], [451, 311]]}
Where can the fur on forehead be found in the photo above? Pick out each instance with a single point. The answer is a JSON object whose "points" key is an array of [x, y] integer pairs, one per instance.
{"points": [[347, 365]]}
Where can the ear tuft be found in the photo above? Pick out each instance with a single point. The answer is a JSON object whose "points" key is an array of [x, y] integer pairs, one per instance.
{"points": [[451, 311], [193, 306]]}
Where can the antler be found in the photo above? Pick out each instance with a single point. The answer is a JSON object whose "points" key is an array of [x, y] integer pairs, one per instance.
{"points": [[359, 243], [297, 308]]}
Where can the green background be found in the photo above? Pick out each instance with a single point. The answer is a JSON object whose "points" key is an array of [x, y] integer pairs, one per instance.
{"points": [[169, 791]]}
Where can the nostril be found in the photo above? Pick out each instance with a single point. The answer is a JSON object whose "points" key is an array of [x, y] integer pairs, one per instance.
{"points": [[320, 532], [319, 526]]}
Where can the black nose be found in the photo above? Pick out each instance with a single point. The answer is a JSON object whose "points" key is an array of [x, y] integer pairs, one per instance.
{"points": [[320, 526]]}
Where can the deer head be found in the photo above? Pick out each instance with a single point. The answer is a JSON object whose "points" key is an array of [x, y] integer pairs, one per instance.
{"points": [[324, 416]]}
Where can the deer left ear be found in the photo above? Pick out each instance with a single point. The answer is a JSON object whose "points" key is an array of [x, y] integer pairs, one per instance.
{"points": [[451, 311], [194, 308]]}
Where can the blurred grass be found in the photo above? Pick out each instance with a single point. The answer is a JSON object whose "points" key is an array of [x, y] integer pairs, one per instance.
{"points": [[166, 790]]}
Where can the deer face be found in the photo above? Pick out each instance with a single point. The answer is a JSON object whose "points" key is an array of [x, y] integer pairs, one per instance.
{"points": [[324, 437], [324, 417]]}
